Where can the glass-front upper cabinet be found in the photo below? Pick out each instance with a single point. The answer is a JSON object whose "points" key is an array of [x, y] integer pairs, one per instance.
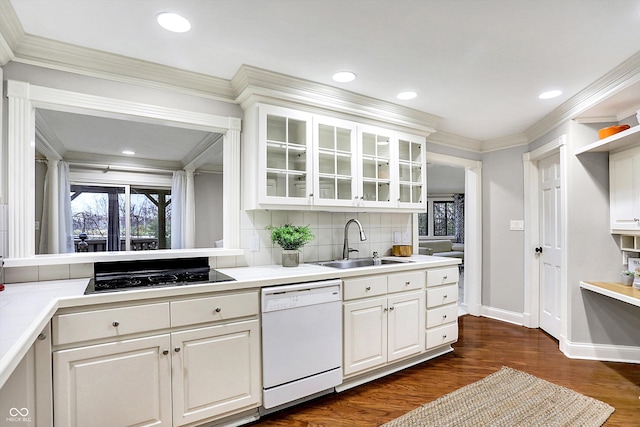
{"points": [[411, 171], [335, 162], [375, 146], [287, 156]]}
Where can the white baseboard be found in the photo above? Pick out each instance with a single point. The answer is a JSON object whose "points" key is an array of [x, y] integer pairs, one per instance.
{"points": [[601, 352], [504, 315]]}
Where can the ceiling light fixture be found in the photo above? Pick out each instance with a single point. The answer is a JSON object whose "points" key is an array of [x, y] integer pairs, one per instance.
{"points": [[344, 76], [173, 22], [406, 95], [550, 94], [128, 152]]}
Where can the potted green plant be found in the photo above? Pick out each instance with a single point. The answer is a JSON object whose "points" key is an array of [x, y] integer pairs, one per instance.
{"points": [[627, 277], [290, 238]]}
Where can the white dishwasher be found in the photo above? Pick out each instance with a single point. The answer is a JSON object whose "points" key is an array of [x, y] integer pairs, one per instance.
{"points": [[301, 341]]}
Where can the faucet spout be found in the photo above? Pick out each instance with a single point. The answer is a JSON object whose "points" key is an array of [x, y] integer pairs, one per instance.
{"points": [[345, 248]]}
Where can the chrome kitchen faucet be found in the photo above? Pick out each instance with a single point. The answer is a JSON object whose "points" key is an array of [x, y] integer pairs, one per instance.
{"points": [[345, 248]]}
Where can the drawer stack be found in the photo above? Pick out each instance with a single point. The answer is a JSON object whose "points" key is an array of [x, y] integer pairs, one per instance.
{"points": [[442, 307]]}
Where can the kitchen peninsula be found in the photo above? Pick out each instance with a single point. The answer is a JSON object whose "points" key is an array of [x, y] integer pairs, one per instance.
{"points": [[133, 332]]}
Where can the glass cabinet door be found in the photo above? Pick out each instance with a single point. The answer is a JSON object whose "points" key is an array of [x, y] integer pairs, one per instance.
{"points": [[411, 170], [375, 167], [288, 149], [335, 162]]}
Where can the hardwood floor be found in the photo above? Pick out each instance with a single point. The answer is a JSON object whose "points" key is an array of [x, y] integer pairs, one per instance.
{"points": [[485, 345]]}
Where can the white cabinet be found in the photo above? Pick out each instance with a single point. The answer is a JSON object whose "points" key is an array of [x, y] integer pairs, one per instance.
{"points": [[383, 320], [304, 160], [199, 361], [26, 396], [624, 186], [442, 307]]}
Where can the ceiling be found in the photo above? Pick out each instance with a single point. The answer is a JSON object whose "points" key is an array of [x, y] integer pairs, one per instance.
{"points": [[478, 64]]}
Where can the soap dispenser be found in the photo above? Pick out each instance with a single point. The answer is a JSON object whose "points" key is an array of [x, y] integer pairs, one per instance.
{"points": [[376, 260]]}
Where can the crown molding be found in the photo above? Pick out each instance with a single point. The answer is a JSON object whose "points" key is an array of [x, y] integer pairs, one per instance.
{"points": [[10, 31], [456, 141], [503, 143], [255, 84], [621, 77]]}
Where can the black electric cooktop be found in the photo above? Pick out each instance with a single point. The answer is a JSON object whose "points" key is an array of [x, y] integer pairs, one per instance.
{"points": [[129, 275]]}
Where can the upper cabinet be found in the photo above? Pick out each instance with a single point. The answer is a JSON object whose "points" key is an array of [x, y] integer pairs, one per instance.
{"points": [[311, 161], [624, 191]]}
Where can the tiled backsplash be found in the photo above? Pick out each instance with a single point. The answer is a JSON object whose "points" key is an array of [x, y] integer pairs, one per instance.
{"points": [[328, 229]]}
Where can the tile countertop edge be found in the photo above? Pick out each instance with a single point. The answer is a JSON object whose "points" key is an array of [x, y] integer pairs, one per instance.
{"points": [[246, 278]]}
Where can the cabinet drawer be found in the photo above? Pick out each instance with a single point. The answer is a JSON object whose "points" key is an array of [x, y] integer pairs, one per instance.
{"points": [[442, 315], [442, 276], [109, 323], [441, 335], [220, 307], [365, 287], [442, 295], [406, 281]]}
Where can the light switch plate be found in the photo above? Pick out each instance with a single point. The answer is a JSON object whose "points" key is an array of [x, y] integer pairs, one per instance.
{"points": [[254, 244], [516, 225]]}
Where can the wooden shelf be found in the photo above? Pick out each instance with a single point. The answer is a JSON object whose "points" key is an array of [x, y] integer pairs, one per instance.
{"points": [[618, 291]]}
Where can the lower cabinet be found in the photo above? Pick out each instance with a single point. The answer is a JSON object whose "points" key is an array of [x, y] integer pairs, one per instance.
{"points": [[442, 307], [383, 320], [181, 377]]}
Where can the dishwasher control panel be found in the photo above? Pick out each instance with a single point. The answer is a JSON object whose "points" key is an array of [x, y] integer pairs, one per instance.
{"points": [[300, 295]]}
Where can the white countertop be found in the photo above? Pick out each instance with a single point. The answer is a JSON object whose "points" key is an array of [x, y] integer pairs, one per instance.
{"points": [[25, 308]]}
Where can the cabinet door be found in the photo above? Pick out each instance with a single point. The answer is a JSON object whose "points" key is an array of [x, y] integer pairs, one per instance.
{"points": [[406, 324], [215, 371], [624, 185], [335, 162], [365, 334], [411, 172], [285, 160], [376, 171], [123, 383]]}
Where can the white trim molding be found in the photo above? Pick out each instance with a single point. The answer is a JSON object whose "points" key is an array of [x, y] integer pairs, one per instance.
{"points": [[503, 315], [601, 352], [24, 98]]}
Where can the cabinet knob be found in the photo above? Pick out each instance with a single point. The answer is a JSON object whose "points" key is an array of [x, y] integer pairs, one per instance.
{"points": [[407, 283], [386, 309], [444, 335], [177, 349], [218, 310], [391, 308], [165, 352], [445, 296], [444, 277], [42, 337], [310, 194], [444, 316], [368, 288], [116, 324]]}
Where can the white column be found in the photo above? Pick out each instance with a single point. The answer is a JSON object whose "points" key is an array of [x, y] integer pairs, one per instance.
{"points": [[190, 213], [21, 169], [53, 191], [231, 184]]}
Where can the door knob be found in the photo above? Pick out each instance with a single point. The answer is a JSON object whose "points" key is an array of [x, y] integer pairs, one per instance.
{"points": [[539, 250]]}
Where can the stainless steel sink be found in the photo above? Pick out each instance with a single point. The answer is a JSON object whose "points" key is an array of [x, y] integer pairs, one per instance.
{"points": [[357, 262]]}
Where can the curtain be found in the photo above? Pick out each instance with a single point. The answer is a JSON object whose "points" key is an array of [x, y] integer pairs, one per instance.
{"points": [[458, 217], [56, 225], [182, 210]]}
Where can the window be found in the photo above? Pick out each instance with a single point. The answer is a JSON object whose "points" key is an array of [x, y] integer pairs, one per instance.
{"points": [[438, 221], [116, 218]]}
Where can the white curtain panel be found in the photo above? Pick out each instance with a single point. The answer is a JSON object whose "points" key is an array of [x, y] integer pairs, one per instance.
{"points": [[56, 226], [182, 210]]}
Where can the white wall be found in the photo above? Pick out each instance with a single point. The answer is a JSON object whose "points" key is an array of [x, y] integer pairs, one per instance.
{"points": [[208, 197]]}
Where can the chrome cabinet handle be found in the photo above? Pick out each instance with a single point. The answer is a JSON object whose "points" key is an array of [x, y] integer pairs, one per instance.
{"points": [[218, 310], [444, 316], [177, 349], [165, 352], [42, 337], [407, 283], [444, 335], [368, 288], [445, 296], [116, 324], [444, 277], [391, 308]]}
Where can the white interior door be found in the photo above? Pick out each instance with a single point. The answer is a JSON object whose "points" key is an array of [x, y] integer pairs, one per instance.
{"points": [[550, 245]]}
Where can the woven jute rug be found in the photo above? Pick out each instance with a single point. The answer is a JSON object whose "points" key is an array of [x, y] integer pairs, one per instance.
{"points": [[508, 398]]}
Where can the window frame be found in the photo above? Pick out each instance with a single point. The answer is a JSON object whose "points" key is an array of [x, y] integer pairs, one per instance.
{"points": [[429, 213]]}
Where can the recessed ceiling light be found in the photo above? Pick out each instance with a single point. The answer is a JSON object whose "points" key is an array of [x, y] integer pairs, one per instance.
{"points": [[550, 94], [406, 95], [173, 22], [128, 152], [344, 76]]}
